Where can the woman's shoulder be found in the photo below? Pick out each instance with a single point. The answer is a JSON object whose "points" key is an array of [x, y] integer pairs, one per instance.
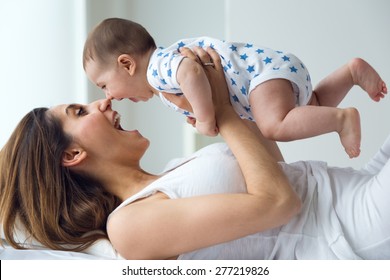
{"points": [[220, 148]]}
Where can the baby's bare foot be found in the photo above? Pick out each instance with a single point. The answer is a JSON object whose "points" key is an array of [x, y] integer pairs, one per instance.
{"points": [[350, 134], [367, 78]]}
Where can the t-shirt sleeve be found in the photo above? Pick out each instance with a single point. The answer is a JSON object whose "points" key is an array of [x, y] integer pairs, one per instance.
{"points": [[380, 159], [162, 72]]}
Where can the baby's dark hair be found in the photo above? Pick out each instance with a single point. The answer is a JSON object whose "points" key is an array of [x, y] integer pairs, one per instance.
{"points": [[116, 36]]}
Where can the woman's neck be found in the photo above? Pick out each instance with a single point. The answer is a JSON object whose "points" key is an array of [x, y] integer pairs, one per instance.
{"points": [[125, 182]]}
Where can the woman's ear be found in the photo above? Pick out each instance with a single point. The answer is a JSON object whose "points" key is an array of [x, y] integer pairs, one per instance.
{"points": [[128, 62], [73, 157]]}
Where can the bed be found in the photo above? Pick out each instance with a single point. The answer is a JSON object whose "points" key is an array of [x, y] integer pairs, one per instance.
{"points": [[100, 250]]}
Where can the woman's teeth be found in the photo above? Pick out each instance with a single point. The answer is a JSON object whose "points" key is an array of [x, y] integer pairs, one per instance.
{"points": [[117, 121]]}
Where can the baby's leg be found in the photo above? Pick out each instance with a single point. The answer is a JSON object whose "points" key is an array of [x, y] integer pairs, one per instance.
{"points": [[350, 133], [273, 107], [332, 89]]}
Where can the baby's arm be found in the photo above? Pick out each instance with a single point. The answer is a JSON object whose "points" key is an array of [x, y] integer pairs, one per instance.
{"points": [[196, 88]]}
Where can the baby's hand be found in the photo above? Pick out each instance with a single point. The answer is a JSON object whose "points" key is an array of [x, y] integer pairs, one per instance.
{"points": [[208, 128]]}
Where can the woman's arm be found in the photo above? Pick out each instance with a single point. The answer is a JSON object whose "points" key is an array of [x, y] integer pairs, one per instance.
{"points": [[183, 103], [196, 88], [271, 145], [262, 174], [162, 228]]}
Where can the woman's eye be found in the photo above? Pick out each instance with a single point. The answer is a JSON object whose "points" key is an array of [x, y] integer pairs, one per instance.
{"points": [[80, 111]]}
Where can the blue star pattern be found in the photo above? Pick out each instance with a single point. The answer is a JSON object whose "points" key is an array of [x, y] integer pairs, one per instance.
{"points": [[163, 81], [267, 60], [233, 48], [245, 65], [180, 45], [250, 68], [243, 56]]}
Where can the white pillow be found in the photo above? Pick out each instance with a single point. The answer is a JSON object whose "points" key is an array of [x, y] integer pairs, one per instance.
{"points": [[101, 249]]}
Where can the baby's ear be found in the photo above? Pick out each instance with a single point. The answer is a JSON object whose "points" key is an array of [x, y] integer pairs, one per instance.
{"points": [[128, 62], [73, 157]]}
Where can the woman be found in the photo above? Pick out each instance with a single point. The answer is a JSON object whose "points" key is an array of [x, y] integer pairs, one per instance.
{"points": [[211, 205], [77, 163]]}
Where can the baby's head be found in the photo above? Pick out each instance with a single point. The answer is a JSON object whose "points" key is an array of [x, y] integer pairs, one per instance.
{"points": [[113, 37]]}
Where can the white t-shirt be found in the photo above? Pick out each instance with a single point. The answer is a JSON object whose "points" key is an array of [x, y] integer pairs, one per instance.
{"points": [[320, 231]]}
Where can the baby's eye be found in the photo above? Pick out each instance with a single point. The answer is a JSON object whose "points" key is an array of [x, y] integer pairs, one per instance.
{"points": [[103, 87]]}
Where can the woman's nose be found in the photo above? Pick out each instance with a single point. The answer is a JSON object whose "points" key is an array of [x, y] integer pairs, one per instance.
{"points": [[104, 105]]}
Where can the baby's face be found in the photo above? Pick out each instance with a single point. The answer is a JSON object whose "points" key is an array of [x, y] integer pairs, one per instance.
{"points": [[117, 82]]}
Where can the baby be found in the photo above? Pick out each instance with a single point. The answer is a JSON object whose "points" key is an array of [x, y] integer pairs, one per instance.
{"points": [[272, 88]]}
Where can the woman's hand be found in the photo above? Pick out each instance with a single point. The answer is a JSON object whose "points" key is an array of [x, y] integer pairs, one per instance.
{"points": [[211, 62], [263, 176]]}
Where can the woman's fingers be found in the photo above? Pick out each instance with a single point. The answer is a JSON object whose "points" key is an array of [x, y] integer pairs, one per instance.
{"points": [[215, 58], [191, 121], [208, 57], [189, 54], [203, 56], [215, 74], [212, 66]]}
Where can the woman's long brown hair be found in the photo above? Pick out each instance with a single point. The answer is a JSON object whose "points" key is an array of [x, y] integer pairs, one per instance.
{"points": [[59, 208]]}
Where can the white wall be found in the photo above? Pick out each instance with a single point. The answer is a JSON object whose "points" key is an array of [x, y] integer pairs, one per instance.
{"points": [[325, 35], [41, 49], [40, 62], [42, 40]]}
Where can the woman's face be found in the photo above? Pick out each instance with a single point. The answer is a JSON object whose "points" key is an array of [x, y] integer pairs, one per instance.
{"points": [[96, 129]]}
